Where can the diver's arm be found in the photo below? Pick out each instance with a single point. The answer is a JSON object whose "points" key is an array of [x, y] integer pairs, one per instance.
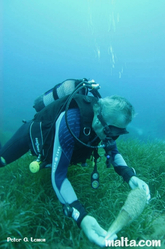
{"points": [[121, 166], [62, 153], [128, 174], [64, 190]]}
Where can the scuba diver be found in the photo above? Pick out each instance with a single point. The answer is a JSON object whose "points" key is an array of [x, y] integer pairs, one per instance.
{"points": [[72, 122]]}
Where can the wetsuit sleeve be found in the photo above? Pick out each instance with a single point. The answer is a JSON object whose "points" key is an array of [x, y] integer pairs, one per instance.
{"points": [[121, 166], [62, 153]]}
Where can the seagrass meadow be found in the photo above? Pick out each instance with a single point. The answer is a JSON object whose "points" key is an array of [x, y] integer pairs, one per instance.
{"points": [[29, 207]]}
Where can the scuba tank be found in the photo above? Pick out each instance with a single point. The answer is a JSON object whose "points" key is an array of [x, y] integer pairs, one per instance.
{"points": [[58, 91]]}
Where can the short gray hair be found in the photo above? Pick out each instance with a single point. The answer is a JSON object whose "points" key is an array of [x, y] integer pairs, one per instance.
{"points": [[117, 107]]}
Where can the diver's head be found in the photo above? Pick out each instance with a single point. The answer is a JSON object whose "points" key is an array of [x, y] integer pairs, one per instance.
{"points": [[112, 112]]}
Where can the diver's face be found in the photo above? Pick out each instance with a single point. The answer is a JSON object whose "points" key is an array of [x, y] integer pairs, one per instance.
{"points": [[99, 128]]}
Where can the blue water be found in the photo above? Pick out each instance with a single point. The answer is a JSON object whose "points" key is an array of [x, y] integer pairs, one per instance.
{"points": [[119, 43]]}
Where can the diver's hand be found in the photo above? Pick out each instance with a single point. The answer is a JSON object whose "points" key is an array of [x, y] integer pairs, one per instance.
{"points": [[135, 182], [94, 232]]}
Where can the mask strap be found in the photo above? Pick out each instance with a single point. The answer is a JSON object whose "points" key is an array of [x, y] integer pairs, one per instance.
{"points": [[101, 119]]}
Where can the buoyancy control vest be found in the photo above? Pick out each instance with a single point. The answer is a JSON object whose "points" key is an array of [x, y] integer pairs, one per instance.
{"points": [[42, 132]]}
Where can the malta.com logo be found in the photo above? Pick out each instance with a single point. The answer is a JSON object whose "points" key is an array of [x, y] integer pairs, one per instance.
{"points": [[125, 242]]}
